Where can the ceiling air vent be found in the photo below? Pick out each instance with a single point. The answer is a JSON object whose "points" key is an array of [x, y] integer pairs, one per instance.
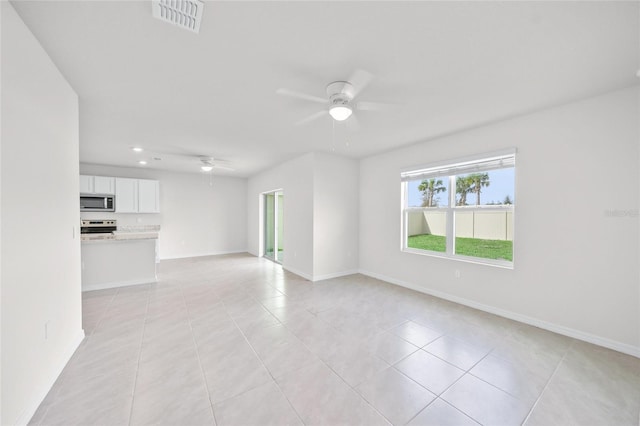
{"points": [[183, 13]]}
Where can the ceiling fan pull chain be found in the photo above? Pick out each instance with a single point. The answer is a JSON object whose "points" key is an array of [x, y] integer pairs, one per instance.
{"points": [[333, 136]]}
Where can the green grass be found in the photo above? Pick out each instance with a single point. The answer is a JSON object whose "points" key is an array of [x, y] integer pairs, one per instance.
{"points": [[428, 242], [487, 249]]}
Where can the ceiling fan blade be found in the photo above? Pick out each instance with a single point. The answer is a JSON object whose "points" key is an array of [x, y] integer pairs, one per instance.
{"points": [[374, 106], [359, 80], [213, 160], [179, 151], [312, 117], [300, 95], [220, 166]]}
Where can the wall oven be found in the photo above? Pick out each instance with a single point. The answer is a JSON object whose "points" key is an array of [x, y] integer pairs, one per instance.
{"points": [[97, 203]]}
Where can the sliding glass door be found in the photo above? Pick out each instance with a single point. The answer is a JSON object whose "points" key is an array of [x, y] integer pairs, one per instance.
{"points": [[273, 225]]}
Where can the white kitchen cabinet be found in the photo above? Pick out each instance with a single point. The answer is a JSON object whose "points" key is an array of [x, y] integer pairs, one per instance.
{"points": [[97, 185], [148, 196], [137, 195], [117, 263], [86, 184], [104, 185], [126, 195]]}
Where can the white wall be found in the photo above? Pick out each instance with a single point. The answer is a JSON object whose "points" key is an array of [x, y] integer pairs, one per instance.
{"points": [[320, 214], [40, 221], [295, 178], [199, 214], [335, 216], [575, 163], [1, 14]]}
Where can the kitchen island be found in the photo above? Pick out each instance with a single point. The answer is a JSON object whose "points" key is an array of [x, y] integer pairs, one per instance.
{"points": [[121, 259]]}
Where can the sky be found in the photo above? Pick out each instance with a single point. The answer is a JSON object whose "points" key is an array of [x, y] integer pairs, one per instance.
{"points": [[501, 184]]}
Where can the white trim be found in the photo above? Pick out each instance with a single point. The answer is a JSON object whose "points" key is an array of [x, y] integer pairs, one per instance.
{"points": [[297, 272], [334, 275], [31, 409], [218, 253], [113, 284], [316, 278], [261, 220], [505, 264], [556, 328], [459, 160]]}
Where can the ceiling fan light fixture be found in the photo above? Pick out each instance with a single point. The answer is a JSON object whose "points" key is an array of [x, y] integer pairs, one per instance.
{"points": [[340, 112], [206, 168]]}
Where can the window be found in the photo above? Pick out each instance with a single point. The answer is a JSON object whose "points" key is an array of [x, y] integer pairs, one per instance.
{"points": [[462, 209]]}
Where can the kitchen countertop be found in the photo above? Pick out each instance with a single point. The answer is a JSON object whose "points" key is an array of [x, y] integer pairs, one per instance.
{"points": [[130, 233]]}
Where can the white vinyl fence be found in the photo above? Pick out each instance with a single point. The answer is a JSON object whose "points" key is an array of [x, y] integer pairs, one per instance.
{"points": [[490, 225]]}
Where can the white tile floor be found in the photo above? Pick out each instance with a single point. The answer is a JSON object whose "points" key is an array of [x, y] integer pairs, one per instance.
{"points": [[234, 340]]}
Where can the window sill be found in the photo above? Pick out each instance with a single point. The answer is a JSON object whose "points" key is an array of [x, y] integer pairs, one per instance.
{"points": [[503, 264]]}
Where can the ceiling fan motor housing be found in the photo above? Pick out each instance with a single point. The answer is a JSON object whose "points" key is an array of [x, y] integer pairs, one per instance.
{"points": [[340, 92]]}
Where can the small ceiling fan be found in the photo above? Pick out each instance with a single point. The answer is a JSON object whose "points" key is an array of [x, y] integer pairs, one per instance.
{"points": [[341, 95], [210, 163], [207, 163]]}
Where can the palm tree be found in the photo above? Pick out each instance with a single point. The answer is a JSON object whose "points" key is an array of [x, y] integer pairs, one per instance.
{"points": [[429, 188], [478, 181], [463, 187]]}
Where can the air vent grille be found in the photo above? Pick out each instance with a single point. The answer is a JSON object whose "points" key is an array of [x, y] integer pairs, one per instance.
{"points": [[183, 13]]}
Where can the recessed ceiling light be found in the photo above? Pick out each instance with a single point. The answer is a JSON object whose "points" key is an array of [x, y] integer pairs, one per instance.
{"points": [[142, 162], [137, 149]]}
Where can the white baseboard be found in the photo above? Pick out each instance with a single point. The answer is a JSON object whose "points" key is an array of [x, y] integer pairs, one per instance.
{"points": [[103, 286], [297, 272], [28, 413], [315, 278], [217, 253], [556, 328], [334, 275]]}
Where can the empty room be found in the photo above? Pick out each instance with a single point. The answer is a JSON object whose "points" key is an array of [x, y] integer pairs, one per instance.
{"points": [[320, 213]]}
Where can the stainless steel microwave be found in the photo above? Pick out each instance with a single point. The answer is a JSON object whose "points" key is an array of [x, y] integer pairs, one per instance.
{"points": [[97, 203]]}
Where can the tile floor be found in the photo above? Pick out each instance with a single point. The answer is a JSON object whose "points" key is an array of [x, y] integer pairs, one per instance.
{"points": [[234, 340]]}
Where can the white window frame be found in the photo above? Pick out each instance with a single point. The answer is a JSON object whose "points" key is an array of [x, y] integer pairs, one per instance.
{"points": [[448, 170]]}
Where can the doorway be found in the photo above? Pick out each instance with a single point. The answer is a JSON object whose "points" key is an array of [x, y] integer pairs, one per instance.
{"points": [[274, 225]]}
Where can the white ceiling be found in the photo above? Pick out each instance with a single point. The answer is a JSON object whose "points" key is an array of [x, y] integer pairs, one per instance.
{"points": [[450, 65]]}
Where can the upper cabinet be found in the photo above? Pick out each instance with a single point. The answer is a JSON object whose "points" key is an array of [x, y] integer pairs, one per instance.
{"points": [[148, 196], [104, 185], [137, 196], [131, 195], [97, 185], [126, 195], [86, 184]]}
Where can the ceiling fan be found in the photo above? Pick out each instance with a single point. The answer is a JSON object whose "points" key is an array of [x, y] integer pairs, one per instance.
{"points": [[210, 163], [341, 95], [207, 163]]}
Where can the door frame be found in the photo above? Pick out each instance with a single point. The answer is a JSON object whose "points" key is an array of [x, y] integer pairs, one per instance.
{"points": [[263, 224]]}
